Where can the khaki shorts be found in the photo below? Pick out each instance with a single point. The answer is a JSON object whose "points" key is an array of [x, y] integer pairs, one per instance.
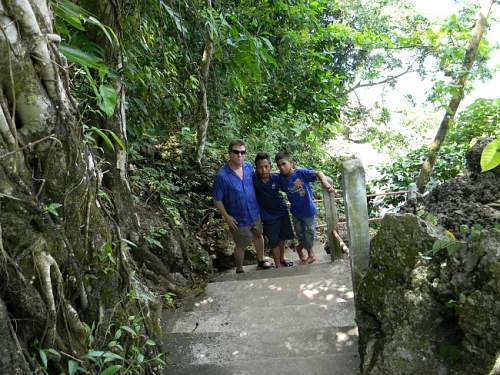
{"points": [[243, 236]]}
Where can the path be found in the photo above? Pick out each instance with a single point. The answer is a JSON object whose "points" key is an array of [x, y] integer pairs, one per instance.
{"points": [[291, 321]]}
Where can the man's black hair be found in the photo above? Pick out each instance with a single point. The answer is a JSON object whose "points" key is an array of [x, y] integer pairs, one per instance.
{"points": [[262, 156], [238, 142], [282, 155]]}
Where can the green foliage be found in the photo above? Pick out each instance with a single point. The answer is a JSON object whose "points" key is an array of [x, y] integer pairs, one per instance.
{"points": [[127, 350], [452, 245], [73, 23], [154, 236], [404, 169], [490, 157], [109, 141], [448, 44], [52, 208], [107, 259], [169, 299], [479, 119]]}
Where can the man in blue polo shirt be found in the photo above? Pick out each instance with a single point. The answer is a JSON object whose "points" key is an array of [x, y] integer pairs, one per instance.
{"points": [[235, 200]]}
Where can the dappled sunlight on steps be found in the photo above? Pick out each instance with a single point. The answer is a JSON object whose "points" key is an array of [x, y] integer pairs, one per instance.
{"points": [[297, 320]]}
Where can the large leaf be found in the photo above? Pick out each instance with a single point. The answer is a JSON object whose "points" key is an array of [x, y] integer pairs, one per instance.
{"points": [[177, 19], [108, 98], [81, 57], [104, 137], [69, 12], [72, 367], [491, 155]]}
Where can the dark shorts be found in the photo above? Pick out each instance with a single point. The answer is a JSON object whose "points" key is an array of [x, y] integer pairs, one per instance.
{"points": [[304, 230], [278, 230], [244, 235]]}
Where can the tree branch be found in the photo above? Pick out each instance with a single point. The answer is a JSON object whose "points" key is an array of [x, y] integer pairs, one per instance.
{"points": [[388, 79]]}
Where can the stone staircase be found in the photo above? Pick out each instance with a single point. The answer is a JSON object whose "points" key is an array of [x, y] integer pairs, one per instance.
{"points": [[292, 321]]}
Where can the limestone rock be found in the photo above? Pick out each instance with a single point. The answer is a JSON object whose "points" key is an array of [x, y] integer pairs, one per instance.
{"points": [[425, 313]]}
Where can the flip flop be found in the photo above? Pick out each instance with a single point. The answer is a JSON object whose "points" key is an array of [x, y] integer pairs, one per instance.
{"points": [[286, 263], [264, 264]]}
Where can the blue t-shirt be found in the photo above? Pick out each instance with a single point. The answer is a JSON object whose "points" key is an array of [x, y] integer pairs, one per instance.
{"points": [[297, 186], [271, 203], [237, 195]]}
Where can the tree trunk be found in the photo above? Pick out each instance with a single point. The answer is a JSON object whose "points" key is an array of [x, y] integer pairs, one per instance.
{"points": [[470, 57], [116, 174], [203, 113], [52, 229]]}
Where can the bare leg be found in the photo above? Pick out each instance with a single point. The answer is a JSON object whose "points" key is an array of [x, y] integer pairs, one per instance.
{"points": [[239, 254], [277, 257], [311, 256], [299, 249], [282, 250], [258, 243]]}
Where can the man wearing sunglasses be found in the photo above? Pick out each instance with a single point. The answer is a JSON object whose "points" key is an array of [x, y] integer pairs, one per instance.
{"points": [[235, 199]]}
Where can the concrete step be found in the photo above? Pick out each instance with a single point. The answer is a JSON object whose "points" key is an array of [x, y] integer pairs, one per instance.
{"points": [[329, 364], [318, 284], [251, 272], [323, 264], [195, 349], [297, 320], [274, 318]]}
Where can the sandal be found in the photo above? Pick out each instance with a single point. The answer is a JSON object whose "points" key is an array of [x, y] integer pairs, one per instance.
{"points": [[240, 270], [286, 263], [310, 260], [264, 264]]}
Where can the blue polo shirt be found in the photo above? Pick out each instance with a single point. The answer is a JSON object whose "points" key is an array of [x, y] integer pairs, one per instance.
{"points": [[237, 195], [271, 203], [297, 186]]}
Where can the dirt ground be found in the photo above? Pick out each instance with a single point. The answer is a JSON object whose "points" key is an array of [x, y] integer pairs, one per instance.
{"points": [[470, 199]]}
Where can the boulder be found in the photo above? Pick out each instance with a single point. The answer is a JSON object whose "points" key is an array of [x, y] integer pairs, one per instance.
{"points": [[470, 199], [421, 311]]}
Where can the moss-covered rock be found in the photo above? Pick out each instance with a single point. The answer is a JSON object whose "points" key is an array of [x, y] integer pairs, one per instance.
{"points": [[420, 312]]}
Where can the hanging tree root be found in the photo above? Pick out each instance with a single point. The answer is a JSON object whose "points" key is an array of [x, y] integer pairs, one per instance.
{"points": [[51, 280]]}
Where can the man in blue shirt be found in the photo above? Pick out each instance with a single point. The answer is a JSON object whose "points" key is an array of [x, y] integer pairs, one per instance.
{"points": [[296, 183], [235, 200]]}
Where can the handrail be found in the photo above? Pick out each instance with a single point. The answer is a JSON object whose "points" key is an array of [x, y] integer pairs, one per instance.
{"points": [[343, 246]]}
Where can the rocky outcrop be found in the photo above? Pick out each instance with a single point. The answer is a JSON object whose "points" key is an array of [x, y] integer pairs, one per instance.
{"points": [[470, 199], [425, 311]]}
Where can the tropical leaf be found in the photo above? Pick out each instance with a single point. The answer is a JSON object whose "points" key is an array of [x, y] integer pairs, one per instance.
{"points": [[177, 19], [104, 137], [108, 98], [81, 57], [72, 367], [490, 157], [120, 143]]}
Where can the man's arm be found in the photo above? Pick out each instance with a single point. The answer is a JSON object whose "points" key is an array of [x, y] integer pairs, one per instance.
{"points": [[230, 221], [324, 181]]}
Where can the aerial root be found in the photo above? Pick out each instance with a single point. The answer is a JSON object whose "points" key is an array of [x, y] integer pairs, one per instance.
{"points": [[50, 273]]}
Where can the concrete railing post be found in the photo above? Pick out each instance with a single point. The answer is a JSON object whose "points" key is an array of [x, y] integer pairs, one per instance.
{"points": [[412, 192], [353, 180], [331, 219]]}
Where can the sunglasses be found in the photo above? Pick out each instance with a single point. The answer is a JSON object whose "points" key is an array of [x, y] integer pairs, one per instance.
{"points": [[236, 152]]}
